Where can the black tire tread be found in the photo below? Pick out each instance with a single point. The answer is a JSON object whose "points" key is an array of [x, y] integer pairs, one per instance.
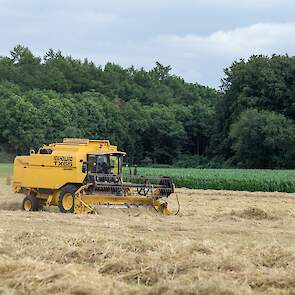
{"points": [[34, 201], [69, 188]]}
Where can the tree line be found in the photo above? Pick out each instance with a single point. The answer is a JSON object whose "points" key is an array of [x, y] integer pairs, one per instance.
{"points": [[156, 117]]}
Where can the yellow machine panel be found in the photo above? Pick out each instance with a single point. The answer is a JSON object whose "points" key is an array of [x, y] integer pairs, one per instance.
{"points": [[62, 166]]}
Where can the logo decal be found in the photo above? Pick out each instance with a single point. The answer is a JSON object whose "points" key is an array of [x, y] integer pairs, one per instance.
{"points": [[63, 161]]}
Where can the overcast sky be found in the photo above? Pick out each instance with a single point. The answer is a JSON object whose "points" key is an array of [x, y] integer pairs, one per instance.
{"points": [[198, 38]]}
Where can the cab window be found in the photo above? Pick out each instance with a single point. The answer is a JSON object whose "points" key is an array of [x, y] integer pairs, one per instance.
{"points": [[114, 160]]}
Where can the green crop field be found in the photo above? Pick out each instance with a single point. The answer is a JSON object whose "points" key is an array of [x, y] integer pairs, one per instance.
{"points": [[6, 169], [228, 179], [220, 179]]}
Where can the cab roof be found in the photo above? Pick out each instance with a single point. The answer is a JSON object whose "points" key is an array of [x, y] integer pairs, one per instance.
{"points": [[85, 146], [102, 152]]}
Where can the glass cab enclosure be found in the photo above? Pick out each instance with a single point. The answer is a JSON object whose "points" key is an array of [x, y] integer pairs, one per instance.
{"points": [[110, 164]]}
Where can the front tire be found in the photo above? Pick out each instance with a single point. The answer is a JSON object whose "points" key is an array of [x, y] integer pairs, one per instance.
{"points": [[31, 203], [66, 199]]}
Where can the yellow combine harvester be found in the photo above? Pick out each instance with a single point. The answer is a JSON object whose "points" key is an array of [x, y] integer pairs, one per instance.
{"points": [[81, 175]]}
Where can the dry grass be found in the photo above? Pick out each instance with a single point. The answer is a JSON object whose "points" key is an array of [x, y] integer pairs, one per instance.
{"points": [[221, 243]]}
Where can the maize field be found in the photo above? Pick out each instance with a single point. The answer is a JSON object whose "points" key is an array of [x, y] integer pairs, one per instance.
{"points": [[228, 179]]}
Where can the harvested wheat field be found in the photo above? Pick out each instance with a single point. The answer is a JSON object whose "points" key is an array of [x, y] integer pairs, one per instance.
{"points": [[221, 243]]}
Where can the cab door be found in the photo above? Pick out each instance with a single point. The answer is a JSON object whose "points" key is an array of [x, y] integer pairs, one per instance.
{"points": [[116, 162]]}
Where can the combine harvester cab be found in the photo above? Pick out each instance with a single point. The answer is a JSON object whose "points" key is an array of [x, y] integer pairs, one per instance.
{"points": [[83, 176]]}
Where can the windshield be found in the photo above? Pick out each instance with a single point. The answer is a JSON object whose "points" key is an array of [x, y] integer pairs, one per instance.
{"points": [[105, 164]]}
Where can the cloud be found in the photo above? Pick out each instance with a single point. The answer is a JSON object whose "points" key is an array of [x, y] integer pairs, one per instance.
{"points": [[241, 41], [200, 58], [209, 55], [198, 38]]}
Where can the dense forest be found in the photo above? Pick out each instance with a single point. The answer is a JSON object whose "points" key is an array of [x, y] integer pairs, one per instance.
{"points": [[156, 117]]}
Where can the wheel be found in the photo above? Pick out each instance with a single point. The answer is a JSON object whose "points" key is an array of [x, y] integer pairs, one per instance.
{"points": [[66, 199], [31, 203]]}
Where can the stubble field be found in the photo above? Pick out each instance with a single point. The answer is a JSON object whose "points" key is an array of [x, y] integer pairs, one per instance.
{"points": [[221, 243]]}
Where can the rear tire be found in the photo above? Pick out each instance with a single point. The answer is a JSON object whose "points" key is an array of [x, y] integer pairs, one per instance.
{"points": [[66, 199], [31, 203]]}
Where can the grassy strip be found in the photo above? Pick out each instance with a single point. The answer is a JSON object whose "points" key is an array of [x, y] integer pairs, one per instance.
{"points": [[6, 169]]}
